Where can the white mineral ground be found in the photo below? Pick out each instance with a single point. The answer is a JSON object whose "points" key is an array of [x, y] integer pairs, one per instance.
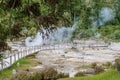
{"points": [[68, 60]]}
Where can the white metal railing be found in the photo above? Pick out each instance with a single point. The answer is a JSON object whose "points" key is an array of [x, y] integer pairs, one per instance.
{"points": [[12, 56]]}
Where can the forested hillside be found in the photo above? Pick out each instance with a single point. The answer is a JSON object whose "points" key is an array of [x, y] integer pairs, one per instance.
{"points": [[21, 18]]}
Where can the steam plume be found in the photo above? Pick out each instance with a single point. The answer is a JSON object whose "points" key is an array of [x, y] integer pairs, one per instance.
{"points": [[50, 37], [106, 14]]}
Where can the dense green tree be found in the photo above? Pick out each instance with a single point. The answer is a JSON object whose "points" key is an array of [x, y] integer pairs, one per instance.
{"points": [[17, 15]]}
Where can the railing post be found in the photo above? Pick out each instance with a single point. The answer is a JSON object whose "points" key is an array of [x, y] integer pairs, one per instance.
{"points": [[18, 55], [27, 51], [10, 59], [21, 54], [14, 57], [2, 64]]}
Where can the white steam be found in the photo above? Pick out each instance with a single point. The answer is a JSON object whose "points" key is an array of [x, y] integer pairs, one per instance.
{"points": [[97, 35], [37, 41], [50, 37], [106, 14]]}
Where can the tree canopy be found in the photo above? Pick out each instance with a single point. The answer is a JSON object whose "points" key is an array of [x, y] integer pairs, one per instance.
{"points": [[19, 18]]}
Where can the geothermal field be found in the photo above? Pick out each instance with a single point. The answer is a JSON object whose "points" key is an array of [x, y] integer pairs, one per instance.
{"points": [[59, 39], [74, 56], [54, 48]]}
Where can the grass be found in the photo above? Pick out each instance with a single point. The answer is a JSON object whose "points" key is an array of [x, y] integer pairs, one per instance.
{"points": [[25, 63], [109, 75]]}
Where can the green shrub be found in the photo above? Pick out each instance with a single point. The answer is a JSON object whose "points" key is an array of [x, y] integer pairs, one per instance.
{"points": [[107, 65], [98, 69], [45, 74], [93, 65], [110, 32], [49, 74], [79, 74], [63, 75], [117, 63], [36, 76], [21, 76]]}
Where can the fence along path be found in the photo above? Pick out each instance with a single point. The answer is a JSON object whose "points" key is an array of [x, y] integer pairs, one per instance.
{"points": [[12, 57]]}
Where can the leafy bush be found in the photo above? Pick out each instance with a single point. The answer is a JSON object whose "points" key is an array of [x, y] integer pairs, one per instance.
{"points": [[93, 65], [79, 74], [49, 74], [117, 63], [83, 33], [98, 69], [45, 74], [21, 76], [63, 75], [110, 32], [27, 76], [107, 65], [36, 76]]}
